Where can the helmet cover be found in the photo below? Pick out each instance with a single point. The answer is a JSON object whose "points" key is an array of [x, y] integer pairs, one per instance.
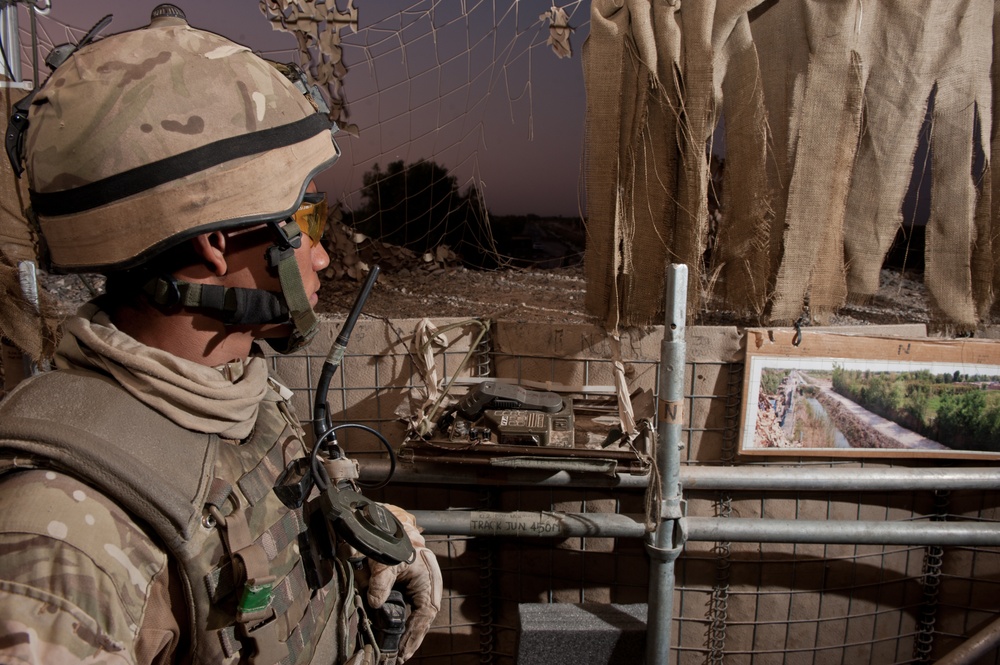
{"points": [[149, 137]]}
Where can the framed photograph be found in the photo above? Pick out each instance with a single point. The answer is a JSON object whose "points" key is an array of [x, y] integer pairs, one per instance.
{"points": [[844, 395]]}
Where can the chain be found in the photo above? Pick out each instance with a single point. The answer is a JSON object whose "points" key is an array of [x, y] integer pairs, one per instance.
{"points": [[719, 604], [487, 590], [484, 355], [933, 563], [718, 609], [734, 392], [487, 633]]}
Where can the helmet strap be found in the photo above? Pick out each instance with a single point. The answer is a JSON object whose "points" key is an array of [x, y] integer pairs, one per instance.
{"points": [[232, 305], [282, 256], [240, 306]]}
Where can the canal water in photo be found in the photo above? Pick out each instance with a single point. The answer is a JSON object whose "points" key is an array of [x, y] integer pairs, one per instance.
{"points": [[839, 440]]}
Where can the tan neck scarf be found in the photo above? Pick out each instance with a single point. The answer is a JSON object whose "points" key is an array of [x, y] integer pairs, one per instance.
{"points": [[222, 400]]}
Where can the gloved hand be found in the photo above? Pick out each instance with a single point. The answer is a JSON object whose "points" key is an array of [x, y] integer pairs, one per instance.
{"points": [[422, 582]]}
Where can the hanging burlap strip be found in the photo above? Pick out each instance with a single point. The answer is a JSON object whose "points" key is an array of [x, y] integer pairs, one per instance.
{"points": [[964, 61], [985, 246], [948, 271], [742, 259], [779, 33], [979, 26], [604, 77], [897, 46], [649, 176], [993, 184], [826, 140], [632, 115], [917, 51], [694, 133], [824, 103]]}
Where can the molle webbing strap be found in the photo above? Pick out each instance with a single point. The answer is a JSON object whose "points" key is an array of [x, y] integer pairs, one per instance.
{"points": [[305, 633], [293, 590], [291, 593], [219, 493], [309, 628], [219, 581], [149, 176], [230, 645], [259, 481]]}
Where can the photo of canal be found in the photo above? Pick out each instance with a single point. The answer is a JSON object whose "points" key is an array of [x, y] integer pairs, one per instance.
{"points": [[811, 414], [846, 406]]}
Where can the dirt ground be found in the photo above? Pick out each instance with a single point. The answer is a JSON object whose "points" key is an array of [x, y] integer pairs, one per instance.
{"points": [[530, 295], [557, 295], [523, 295]]}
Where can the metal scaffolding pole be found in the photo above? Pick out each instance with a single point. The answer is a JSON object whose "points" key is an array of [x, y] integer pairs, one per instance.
{"points": [[10, 58], [529, 524], [665, 494], [707, 529], [748, 530], [707, 478], [819, 479], [977, 646]]}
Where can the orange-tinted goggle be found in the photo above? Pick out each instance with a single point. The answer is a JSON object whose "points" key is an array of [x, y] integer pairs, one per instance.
{"points": [[311, 216]]}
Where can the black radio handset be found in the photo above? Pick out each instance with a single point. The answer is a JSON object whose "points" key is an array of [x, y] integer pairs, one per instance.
{"points": [[364, 524]]}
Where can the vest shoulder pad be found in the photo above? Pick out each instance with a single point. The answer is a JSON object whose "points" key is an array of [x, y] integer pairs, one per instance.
{"points": [[86, 425]]}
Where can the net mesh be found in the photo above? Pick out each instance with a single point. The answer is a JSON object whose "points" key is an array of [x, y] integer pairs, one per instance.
{"points": [[422, 92]]}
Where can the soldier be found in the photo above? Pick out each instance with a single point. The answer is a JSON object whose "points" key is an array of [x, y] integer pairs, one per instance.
{"points": [[138, 521]]}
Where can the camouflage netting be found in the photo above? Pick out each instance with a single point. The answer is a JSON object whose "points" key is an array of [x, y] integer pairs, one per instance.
{"points": [[317, 28], [823, 106], [31, 329]]}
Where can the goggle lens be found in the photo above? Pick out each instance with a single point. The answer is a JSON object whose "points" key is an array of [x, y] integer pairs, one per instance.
{"points": [[311, 216]]}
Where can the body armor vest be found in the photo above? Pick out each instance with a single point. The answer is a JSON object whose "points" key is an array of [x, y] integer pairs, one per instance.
{"points": [[209, 501]]}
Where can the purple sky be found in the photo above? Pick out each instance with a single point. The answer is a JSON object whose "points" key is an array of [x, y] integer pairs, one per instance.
{"points": [[480, 94]]}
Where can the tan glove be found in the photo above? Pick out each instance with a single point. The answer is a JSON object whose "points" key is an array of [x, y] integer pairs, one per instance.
{"points": [[422, 581]]}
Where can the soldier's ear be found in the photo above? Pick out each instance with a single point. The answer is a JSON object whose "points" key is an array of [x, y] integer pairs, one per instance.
{"points": [[211, 249]]}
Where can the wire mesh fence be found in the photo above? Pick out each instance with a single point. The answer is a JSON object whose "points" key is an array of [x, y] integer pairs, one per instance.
{"points": [[734, 602]]}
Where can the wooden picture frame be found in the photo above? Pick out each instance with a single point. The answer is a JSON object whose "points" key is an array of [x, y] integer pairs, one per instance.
{"points": [[828, 394]]}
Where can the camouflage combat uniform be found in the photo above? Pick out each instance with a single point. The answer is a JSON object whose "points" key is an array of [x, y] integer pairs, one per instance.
{"points": [[84, 580], [138, 523]]}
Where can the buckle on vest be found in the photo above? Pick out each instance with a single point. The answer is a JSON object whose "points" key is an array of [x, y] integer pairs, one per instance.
{"points": [[268, 649]]}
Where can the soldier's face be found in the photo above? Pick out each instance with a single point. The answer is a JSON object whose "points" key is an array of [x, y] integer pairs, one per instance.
{"points": [[249, 268]]}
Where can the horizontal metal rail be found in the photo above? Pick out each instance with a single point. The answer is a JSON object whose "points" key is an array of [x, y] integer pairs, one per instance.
{"points": [[708, 478], [837, 479], [528, 524], [977, 646], [708, 529], [746, 530]]}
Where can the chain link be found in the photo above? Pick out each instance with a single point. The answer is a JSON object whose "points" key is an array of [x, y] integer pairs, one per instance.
{"points": [[718, 609], [933, 563]]}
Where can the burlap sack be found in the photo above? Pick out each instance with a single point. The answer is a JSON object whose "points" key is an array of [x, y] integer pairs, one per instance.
{"points": [[30, 329]]}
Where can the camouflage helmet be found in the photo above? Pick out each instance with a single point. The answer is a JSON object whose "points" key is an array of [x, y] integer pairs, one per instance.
{"points": [[146, 138]]}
